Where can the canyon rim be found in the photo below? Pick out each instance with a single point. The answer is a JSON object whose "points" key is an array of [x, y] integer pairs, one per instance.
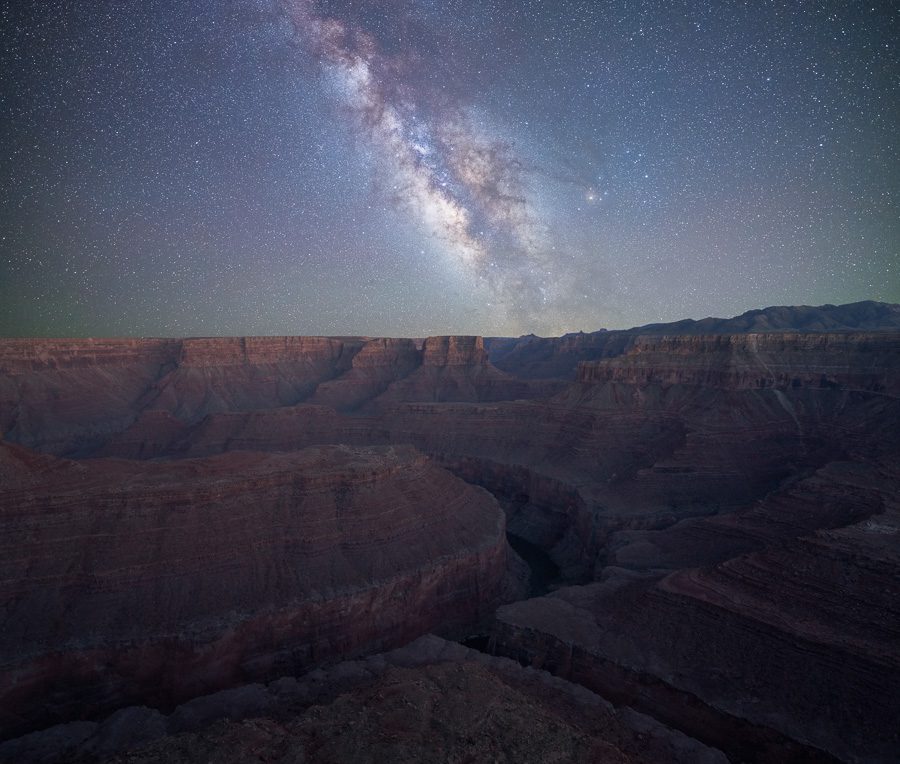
{"points": [[672, 543]]}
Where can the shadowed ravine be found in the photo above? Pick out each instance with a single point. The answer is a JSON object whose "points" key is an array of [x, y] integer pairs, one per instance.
{"points": [[544, 572]]}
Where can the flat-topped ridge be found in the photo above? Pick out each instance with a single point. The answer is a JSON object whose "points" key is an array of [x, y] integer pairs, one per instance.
{"points": [[848, 360]]}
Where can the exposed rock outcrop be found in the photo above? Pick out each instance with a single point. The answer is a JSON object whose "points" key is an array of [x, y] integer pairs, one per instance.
{"points": [[534, 357], [67, 397], [379, 363], [69, 394], [675, 428], [245, 373], [152, 582], [729, 500], [853, 362], [429, 701], [773, 654], [457, 369]]}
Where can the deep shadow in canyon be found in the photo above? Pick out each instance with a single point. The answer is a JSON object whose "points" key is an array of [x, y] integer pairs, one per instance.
{"points": [[544, 573], [214, 547]]}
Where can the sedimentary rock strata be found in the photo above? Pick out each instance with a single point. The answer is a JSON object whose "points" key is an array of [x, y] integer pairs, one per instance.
{"points": [[430, 701], [728, 501], [674, 428], [70, 394], [378, 363], [857, 362], [151, 582], [68, 397], [558, 357], [790, 650], [457, 369]]}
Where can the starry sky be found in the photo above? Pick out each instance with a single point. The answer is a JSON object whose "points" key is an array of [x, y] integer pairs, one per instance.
{"points": [[412, 167]]}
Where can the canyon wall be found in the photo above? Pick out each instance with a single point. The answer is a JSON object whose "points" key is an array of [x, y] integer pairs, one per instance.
{"points": [[727, 503], [558, 357], [850, 361], [67, 397], [786, 649], [63, 395], [152, 582], [674, 428]]}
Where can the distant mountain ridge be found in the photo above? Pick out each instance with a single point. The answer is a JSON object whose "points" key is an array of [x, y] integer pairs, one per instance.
{"points": [[534, 357], [867, 315]]}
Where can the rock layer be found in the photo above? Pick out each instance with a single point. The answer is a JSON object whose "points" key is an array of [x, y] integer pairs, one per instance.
{"points": [[558, 357], [859, 362], [379, 363], [67, 397], [71, 394], [728, 499], [155, 581], [675, 428], [429, 701], [777, 653]]}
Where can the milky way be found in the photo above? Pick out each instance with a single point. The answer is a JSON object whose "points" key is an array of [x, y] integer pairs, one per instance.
{"points": [[465, 187], [414, 167]]}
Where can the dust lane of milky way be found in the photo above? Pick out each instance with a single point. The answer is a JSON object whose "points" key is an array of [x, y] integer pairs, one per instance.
{"points": [[436, 162]]}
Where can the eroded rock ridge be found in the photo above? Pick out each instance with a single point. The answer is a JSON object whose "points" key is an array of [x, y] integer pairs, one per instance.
{"points": [[720, 510]]}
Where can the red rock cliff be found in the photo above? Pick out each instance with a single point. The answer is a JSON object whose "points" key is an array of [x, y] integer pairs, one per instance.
{"points": [[869, 362], [151, 582], [67, 396], [454, 351], [379, 363]]}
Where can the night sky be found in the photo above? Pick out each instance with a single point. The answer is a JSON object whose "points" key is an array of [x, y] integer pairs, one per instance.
{"points": [[411, 167]]}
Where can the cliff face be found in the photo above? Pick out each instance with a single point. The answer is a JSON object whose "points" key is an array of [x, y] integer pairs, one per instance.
{"points": [[794, 641], [20, 356], [155, 581], [555, 357], [457, 369], [834, 496], [260, 351], [245, 373], [69, 396], [676, 428], [558, 357], [379, 363], [866, 362], [65, 394], [454, 351], [727, 500]]}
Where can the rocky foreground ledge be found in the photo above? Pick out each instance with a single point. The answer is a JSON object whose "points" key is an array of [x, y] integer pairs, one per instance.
{"points": [[431, 700]]}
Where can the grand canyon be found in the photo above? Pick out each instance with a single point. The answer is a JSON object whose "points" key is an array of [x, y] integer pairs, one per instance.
{"points": [[400, 381], [679, 542]]}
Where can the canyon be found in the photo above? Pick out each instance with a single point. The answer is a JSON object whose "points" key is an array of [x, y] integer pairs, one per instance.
{"points": [[710, 511]]}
